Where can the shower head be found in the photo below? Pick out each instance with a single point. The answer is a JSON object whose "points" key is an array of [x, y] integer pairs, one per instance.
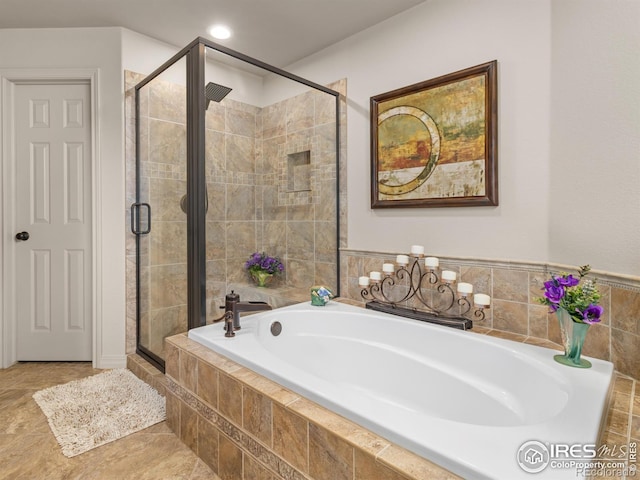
{"points": [[215, 92]]}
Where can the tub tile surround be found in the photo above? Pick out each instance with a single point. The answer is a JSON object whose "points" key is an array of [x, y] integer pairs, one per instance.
{"points": [[514, 287], [242, 424], [239, 423]]}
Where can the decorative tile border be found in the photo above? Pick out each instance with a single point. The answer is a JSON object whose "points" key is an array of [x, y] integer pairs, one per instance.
{"points": [[246, 442]]}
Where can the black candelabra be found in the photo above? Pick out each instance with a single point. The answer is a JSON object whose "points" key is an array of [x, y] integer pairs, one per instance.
{"points": [[390, 290]]}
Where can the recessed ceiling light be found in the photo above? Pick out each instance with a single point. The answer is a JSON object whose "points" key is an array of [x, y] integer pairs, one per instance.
{"points": [[220, 32]]}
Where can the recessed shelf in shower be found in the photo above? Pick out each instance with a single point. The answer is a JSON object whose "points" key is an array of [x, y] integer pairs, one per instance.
{"points": [[299, 171]]}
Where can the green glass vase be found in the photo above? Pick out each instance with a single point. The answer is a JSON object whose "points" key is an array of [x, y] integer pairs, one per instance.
{"points": [[573, 336], [262, 278]]}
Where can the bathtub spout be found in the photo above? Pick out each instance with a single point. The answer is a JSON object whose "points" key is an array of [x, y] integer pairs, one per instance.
{"points": [[247, 307], [233, 308]]}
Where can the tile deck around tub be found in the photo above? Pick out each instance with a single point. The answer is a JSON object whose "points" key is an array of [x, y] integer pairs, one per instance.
{"points": [[287, 436], [301, 440], [284, 436]]}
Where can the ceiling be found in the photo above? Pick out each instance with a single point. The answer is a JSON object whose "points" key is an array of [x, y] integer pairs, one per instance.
{"points": [[278, 32]]}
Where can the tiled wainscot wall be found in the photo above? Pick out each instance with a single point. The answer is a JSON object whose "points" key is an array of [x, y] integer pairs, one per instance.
{"points": [[514, 288]]}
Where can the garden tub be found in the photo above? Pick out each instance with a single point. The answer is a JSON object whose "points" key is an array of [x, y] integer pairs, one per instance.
{"points": [[470, 403]]}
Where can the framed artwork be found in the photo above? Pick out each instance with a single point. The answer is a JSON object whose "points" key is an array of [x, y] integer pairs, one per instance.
{"points": [[434, 144]]}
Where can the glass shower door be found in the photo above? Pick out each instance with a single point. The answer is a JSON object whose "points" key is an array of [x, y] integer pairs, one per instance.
{"points": [[161, 183]]}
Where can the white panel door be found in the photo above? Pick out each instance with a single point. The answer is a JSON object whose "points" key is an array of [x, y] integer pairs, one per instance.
{"points": [[53, 194]]}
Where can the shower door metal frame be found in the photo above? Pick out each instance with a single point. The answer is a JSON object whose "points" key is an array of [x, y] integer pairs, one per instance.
{"points": [[195, 54]]}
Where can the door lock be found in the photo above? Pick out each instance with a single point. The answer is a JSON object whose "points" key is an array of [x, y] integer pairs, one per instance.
{"points": [[22, 236]]}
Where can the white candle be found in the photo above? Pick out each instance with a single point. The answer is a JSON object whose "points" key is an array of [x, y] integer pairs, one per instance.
{"points": [[375, 276], [448, 276], [363, 281], [432, 262], [388, 268], [465, 288], [402, 260], [417, 250], [481, 300]]}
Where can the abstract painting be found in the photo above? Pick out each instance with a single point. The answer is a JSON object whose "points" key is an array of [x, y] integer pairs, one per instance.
{"points": [[434, 144]]}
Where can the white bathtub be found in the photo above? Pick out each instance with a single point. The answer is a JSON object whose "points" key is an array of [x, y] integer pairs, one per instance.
{"points": [[467, 402]]}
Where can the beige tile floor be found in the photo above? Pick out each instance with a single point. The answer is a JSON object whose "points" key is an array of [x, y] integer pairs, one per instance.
{"points": [[29, 451]]}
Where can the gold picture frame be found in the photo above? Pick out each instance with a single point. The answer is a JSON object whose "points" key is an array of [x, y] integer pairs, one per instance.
{"points": [[434, 144]]}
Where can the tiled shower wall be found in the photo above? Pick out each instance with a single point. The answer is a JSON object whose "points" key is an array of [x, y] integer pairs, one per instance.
{"points": [[514, 287], [256, 206], [251, 156]]}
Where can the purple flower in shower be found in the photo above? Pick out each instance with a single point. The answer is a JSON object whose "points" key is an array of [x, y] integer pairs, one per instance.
{"points": [[261, 262], [253, 260], [592, 314]]}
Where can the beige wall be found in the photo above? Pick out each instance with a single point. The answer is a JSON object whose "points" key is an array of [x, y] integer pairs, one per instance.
{"points": [[595, 134], [568, 127]]}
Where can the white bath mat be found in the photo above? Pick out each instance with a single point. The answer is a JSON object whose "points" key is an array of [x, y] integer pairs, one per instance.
{"points": [[84, 414]]}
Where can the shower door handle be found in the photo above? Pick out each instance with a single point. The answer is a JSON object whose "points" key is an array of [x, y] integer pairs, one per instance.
{"points": [[135, 218]]}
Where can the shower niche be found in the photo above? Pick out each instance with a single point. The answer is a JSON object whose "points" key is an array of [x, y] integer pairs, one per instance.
{"points": [[233, 156], [299, 171]]}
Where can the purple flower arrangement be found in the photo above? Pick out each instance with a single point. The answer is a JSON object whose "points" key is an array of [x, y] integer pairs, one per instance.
{"points": [[580, 300], [261, 262]]}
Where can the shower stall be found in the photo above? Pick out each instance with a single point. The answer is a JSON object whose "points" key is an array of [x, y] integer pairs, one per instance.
{"points": [[233, 156]]}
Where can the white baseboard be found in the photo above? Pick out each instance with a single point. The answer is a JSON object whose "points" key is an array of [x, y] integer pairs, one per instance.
{"points": [[111, 361]]}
